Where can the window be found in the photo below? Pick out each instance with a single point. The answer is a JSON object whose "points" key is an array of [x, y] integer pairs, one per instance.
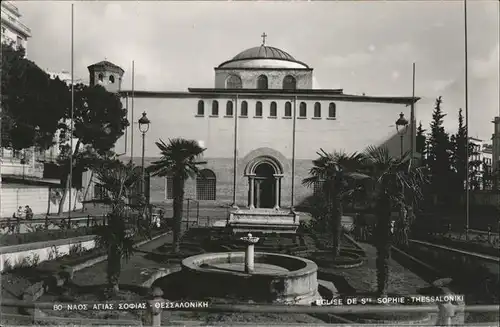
{"points": [[258, 109], [201, 108], [111, 79], [288, 109], [273, 110], [229, 108], [206, 185], [101, 77], [169, 188], [19, 41], [318, 187], [99, 192], [303, 110], [215, 108], [244, 108], [289, 83], [332, 110], [262, 82], [317, 110], [3, 30], [233, 82]]}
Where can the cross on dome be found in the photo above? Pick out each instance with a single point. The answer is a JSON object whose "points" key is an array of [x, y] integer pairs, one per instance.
{"points": [[264, 35]]}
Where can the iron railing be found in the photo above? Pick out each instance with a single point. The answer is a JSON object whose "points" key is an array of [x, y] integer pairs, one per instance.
{"points": [[15, 225], [153, 317]]}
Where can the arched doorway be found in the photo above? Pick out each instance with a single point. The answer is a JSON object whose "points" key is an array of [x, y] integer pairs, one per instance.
{"points": [[265, 186]]}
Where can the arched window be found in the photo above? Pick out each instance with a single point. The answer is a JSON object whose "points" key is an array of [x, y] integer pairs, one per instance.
{"points": [[215, 108], [101, 77], [273, 110], [289, 83], [318, 187], [229, 108], [288, 109], [206, 185], [317, 110], [233, 82], [262, 82], [332, 110], [244, 108], [303, 110], [258, 109], [111, 79], [201, 107], [169, 188]]}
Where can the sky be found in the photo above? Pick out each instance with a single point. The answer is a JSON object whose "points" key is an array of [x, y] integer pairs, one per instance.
{"points": [[361, 47]]}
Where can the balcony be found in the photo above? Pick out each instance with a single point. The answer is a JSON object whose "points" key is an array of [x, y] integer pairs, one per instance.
{"points": [[18, 163], [15, 24], [10, 6], [13, 168]]}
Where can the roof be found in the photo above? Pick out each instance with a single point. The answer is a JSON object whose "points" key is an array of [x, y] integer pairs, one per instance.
{"points": [[106, 64], [267, 91], [263, 52], [323, 94]]}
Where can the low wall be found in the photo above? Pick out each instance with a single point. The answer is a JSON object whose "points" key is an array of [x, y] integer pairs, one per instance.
{"points": [[48, 250], [41, 199]]}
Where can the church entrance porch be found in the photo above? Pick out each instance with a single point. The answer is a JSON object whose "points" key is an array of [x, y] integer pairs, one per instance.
{"points": [[263, 215]]}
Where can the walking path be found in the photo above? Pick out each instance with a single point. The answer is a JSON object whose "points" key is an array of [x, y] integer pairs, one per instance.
{"points": [[135, 271]]}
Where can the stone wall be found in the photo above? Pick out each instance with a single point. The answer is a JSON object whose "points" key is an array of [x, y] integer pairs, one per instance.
{"points": [[37, 197], [357, 125], [41, 251], [223, 169]]}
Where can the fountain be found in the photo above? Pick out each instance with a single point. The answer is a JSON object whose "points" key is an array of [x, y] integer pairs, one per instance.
{"points": [[249, 275], [249, 254]]}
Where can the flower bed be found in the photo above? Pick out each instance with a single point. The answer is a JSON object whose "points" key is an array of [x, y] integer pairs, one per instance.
{"points": [[44, 235]]}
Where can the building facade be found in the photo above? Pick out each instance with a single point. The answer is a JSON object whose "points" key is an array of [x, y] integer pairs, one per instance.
{"points": [[482, 168], [13, 30], [496, 151], [262, 124]]}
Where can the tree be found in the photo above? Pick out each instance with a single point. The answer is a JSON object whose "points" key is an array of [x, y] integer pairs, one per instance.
{"points": [[420, 143], [117, 236], [32, 103], [395, 182], [333, 171], [438, 155], [179, 159], [99, 120], [459, 155]]}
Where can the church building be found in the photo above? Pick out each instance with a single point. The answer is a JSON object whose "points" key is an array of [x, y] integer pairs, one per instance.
{"points": [[262, 123]]}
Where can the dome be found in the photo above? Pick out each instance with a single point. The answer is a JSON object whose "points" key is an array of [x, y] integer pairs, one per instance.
{"points": [[263, 57], [264, 52]]}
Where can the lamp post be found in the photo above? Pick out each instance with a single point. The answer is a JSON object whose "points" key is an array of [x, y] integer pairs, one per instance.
{"points": [[402, 127], [143, 128]]}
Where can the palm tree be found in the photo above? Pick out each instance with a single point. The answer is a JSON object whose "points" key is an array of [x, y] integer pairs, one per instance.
{"points": [[333, 171], [119, 181], [395, 182], [179, 159]]}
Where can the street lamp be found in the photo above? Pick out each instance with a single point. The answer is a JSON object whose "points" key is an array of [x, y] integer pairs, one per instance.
{"points": [[143, 128], [402, 128]]}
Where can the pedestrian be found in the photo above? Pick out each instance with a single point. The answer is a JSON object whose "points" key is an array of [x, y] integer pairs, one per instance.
{"points": [[29, 212], [20, 213]]}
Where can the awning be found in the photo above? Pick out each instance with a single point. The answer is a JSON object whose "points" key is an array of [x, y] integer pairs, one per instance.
{"points": [[29, 180]]}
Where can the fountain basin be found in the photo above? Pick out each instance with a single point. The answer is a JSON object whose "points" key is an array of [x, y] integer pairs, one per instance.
{"points": [[277, 278]]}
